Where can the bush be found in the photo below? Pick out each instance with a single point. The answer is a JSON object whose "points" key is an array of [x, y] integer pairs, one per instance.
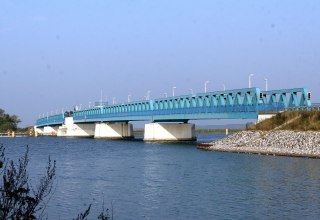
{"points": [[18, 200]]}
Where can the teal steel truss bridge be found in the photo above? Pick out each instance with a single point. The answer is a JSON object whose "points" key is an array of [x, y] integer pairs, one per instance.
{"points": [[245, 103]]}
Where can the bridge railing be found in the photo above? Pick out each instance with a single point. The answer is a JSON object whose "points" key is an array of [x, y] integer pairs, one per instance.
{"points": [[50, 120], [184, 111]]}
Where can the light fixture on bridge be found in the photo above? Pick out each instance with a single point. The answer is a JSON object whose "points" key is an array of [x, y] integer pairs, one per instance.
{"points": [[224, 87], [250, 75], [165, 94], [173, 88], [205, 86], [129, 96], [148, 95], [266, 80], [191, 90]]}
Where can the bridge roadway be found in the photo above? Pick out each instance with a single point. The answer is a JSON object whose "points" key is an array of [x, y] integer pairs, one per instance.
{"points": [[245, 103]]}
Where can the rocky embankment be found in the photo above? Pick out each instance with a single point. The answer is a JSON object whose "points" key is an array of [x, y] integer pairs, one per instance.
{"points": [[286, 143]]}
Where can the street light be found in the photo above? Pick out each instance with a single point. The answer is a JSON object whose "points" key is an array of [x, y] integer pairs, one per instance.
{"points": [[266, 83], [80, 107], [148, 95], [129, 96], [89, 104], [165, 94], [191, 90], [113, 100], [173, 88], [251, 75], [224, 87], [205, 86]]}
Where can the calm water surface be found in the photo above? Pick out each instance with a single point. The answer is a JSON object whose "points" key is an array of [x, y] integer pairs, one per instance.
{"points": [[171, 181]]}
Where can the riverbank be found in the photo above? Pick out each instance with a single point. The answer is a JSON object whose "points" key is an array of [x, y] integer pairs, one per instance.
{"points": [[283, 143]]}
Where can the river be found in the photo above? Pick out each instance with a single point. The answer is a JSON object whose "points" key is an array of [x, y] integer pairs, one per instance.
{"points": [[170, 180]]}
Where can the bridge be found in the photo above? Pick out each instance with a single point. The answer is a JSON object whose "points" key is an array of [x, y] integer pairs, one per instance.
{"points": [[112, 121]]}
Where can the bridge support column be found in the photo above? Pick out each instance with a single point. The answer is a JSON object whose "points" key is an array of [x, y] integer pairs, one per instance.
{"points": [[37, 131], [113, 130], [69, 129], [50, 130], [169, 132]]}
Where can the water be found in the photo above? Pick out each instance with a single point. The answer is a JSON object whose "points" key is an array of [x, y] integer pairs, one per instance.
{"points": [[171, 181]]}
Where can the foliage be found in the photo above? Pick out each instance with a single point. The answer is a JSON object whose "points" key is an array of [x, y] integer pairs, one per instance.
{"points": [[8, 122], [18, 200], [83, 216]]}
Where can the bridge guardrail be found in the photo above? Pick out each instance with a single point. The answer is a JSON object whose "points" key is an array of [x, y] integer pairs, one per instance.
{"points": [[184, 111]]}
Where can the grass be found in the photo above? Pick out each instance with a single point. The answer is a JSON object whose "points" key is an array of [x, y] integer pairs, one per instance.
{"points": [[291, 120]]}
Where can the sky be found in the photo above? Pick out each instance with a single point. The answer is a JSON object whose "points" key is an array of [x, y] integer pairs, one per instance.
{"points": [[57, 54]]}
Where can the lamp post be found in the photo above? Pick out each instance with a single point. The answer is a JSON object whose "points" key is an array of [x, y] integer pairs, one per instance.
{"points": [[148, 95], [165, 94], [113, 100], [173, 88], [129, 96], [89, 104], [266, 83], [205, 86], [80, 107], [250, 75], [224, 87], [191, 90]]}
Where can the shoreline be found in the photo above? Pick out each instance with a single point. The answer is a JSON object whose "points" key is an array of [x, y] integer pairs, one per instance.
{"points": [[276, 143]]}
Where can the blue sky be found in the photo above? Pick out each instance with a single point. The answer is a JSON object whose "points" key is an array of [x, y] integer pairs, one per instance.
{"points": [[55, 54]]}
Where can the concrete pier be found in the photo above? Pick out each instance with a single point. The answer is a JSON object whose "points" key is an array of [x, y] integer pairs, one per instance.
{"points": [[113, 130], [50, 130], [38, 131], [169, 132], [69, 129]]}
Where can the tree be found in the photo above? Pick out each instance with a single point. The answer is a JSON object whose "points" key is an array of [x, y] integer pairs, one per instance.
{"points": [[8, 122], [18, 200]]}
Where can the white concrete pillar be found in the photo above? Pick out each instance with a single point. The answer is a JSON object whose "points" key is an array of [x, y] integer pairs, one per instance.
{"points": [[113, 130], [50, 130], [38, 131], [69, 129], [169, 132], [76, 130]]}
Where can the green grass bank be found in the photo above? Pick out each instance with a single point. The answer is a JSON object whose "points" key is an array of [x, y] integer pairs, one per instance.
{"points": [[290, 120]]}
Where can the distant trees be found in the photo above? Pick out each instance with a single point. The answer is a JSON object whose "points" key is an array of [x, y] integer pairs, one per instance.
{"points": [[8, 122]]}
